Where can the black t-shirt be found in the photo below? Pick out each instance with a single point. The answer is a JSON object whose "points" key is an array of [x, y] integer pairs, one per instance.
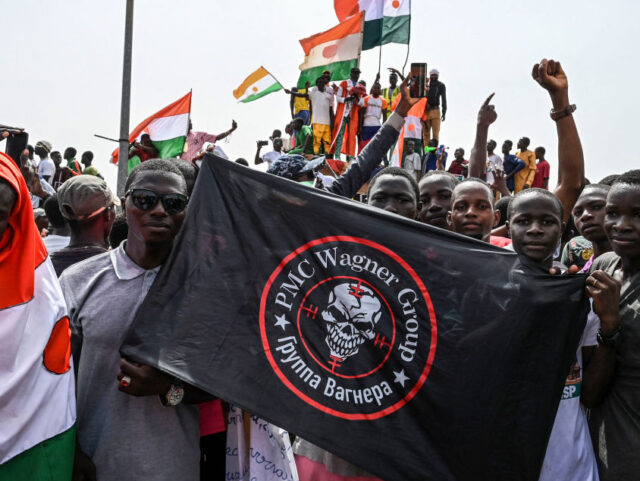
{"points": [[72, 255]]}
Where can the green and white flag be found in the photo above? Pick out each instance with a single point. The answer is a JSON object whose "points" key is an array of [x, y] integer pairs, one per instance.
{"points": [[336, 50], [385, 21], [257, 85]]}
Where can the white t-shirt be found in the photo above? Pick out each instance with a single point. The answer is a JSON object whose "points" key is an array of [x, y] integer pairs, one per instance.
{"points": [[570, 455], [412, 162], [373, 113], [321, 105], [271, 157], [56, 242], [494, 162], [46, 168]]}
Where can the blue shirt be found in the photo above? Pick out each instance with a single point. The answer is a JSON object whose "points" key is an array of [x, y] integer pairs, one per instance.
{"points": [[431, 161], [512, 164]]}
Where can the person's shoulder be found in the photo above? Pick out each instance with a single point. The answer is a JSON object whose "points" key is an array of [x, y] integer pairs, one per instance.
{"points": [[78, 272], [606, 262]]}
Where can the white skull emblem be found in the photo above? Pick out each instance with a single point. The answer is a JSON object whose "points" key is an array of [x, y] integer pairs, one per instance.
{"points": [[350, 318]]}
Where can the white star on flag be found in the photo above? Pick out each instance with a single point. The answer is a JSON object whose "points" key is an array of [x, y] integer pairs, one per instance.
{"points": [[282, 322], [400, 377]]}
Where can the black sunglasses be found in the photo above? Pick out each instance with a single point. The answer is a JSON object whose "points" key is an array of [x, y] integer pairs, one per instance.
{"points": [[145, 199]]}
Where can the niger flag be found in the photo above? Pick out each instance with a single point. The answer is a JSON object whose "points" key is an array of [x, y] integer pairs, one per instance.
{"points": [[37, 389], [167, 129], [413, 352]]}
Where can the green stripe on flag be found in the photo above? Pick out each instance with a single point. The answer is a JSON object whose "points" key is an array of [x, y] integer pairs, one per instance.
{"points": [[133, 161], [169, 148], [372, 34], [274, 88], [339, 71], [50, 460], [396, 29], [386, 30]]}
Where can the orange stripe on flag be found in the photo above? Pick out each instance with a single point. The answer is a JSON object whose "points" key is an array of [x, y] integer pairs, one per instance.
{"points": [[249, 81], [179, 107], [57, 352], [351, 26], [346, 8]]}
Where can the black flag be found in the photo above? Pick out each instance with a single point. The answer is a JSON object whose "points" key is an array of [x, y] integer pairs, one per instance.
{"points": [[413, 352]]}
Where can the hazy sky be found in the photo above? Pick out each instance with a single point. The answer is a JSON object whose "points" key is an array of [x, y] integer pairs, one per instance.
{"points": [[62, 68]]}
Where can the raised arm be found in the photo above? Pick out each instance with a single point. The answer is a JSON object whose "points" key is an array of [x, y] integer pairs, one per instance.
{"points": [[550, 75], [478, 160], [358, 173], [258, 160], [234, 126]]}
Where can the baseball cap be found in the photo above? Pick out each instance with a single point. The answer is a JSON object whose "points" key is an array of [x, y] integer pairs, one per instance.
{"points": [[85, 196]]}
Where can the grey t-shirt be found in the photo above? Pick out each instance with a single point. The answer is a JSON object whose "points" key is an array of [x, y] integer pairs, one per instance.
{"points": [[615, 424], [127, 437]]}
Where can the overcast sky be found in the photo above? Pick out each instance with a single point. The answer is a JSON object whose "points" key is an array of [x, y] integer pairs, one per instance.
{"points": [[62, 68]]}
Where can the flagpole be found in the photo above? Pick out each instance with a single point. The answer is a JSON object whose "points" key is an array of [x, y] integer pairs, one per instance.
{"points": [[274, 77], [123, 151], [408, 45], [379, 59]]}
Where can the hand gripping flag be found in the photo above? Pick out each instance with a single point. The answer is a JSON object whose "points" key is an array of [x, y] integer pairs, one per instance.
{"points": [[413, 352]]}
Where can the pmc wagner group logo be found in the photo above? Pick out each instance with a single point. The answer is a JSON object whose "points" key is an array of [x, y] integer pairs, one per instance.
{"points": [[348, 327]]}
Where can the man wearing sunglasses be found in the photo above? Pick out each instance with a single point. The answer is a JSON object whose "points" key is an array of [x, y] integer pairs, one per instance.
{"points": [[124, 424]]}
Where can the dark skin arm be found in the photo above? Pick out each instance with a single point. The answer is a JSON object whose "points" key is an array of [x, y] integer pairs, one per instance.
{"points": [[600, 363], [149, 381], [550, 75], [258, 159], [296, 94], [234, 126], [397, 72], [486, 116], [308, 143]]}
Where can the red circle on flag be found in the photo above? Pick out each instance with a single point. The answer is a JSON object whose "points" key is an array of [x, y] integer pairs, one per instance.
{"points": [[423, 373], [330, 51]]}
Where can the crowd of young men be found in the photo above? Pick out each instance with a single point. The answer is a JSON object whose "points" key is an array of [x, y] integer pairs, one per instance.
{"points": [[153, 430]]}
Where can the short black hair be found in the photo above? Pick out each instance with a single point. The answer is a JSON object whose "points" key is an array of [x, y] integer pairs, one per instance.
{"points": [[536, 192], [631, 177], [541, 149], [603, 187], [452, 179], [188, 171], [72, 151], [479, 181], [503, 206], [55, 153], [397, 171], [526, 140], [609, 179], [119, 231], [242, 161], [87, 155], [509, 142], [165, 166], [52, 209]]}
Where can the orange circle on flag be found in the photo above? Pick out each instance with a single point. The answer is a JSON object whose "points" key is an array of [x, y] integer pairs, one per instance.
{"points": [[255, 89], [395, 3], [330, 51], [411, 127]]}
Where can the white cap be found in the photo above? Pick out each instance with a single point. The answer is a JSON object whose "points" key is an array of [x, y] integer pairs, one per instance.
{"points": [[434, 71]]}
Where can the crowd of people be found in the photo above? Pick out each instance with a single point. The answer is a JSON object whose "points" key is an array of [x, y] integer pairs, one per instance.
{"points": [[136, 422]]}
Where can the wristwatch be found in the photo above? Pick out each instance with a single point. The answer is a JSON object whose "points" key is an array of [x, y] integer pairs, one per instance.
{"points": [[174, 395], [610, 340], [558, 114]]}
